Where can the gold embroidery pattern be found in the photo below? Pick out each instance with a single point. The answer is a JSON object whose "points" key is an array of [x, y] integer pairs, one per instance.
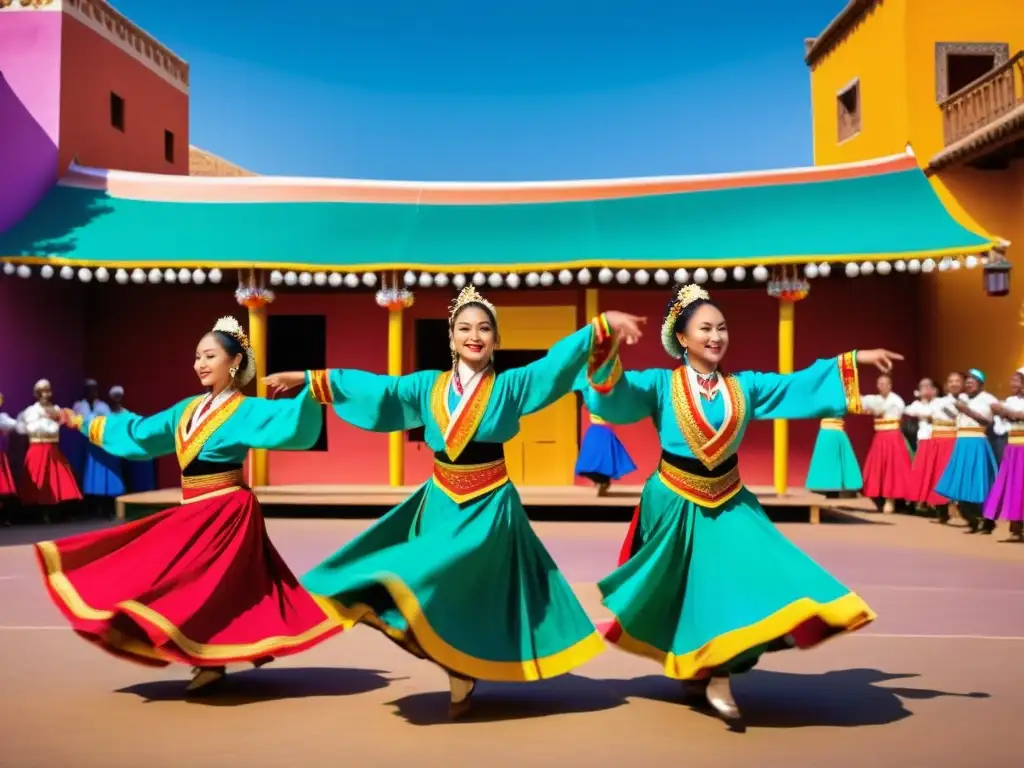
{"points": [[851, 381], [886, 425], [188, 449], [437, 404], [466, 482], [970, 432], [710, 447], [839, 425], [96, 427], [469, 420], [943, 431], [214, 482], [320, 387], [708, 492], [601, 351]]}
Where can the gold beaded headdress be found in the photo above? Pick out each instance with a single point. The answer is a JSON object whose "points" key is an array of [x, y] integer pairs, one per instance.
{"points": [[683, 298], [469, 295], [228, 325]]}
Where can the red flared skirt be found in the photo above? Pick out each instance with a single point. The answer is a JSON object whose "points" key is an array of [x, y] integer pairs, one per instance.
{"points": [[47, 478], [887, 468], [199, 584], [929, 464], [7, 486]]}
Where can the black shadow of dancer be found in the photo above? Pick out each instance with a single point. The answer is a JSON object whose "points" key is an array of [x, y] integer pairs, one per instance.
{"points": [[494, 702], [844, 698], [269, 684]]}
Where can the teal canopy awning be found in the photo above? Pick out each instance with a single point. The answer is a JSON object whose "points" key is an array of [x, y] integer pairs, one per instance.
{"points": [[875, 211]]}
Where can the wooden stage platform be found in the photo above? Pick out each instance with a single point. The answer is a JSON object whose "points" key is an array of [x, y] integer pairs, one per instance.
{"points": [[372, 500]]}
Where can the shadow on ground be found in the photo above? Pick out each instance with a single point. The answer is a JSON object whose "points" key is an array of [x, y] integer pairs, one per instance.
{"points": [[253, 686], [514, 701], [845, 698]]}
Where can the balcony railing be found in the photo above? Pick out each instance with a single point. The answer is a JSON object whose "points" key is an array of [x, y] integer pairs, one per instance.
{"points": [[984, 101]]}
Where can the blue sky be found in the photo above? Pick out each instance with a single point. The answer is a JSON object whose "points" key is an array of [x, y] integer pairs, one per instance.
{"points": [[474, 90]]}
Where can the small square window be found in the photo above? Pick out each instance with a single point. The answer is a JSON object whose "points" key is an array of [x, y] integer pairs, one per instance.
{"points": [[848, 107], [116, 111], [169, 146]]}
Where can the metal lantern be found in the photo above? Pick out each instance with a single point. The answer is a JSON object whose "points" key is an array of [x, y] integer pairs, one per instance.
{"points": [[996, 274]]}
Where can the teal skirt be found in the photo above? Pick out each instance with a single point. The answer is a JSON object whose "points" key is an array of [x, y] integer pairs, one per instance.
{"points": [[469, 586], [834, 466], [706, 590]]}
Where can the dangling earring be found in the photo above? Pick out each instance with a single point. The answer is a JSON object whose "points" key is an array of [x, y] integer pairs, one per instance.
{"points": [[233, 371], [686, 356]]}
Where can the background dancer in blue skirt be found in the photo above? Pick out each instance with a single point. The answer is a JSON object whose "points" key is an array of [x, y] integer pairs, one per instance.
{"points": [[603, 457]]}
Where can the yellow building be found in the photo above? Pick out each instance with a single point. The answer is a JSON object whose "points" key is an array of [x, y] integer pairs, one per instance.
{"points": [[947, 78]]}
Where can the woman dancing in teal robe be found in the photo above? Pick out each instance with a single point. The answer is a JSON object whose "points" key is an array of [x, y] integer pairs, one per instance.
{"points": [[706, 583], [455, 574]]}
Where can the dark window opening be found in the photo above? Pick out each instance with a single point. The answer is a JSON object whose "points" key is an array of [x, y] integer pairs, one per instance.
{"points": [[298, 343], [116, 111], [848, 106], [169, 146], [963, 69]]}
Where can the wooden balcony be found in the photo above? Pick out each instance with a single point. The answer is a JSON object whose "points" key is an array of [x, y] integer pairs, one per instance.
{"points": [[984, 116]]}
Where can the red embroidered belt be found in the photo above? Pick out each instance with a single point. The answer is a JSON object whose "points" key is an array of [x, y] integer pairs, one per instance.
{"points": [[463, 482], [198, 486], [708, 489]]}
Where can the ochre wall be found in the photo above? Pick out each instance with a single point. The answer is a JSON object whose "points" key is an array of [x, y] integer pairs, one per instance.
{"points": [[876, 58], [143, 337], [892, 50], [92, 67]]}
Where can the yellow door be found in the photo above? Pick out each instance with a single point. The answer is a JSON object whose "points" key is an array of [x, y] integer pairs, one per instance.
{"points": [[544, 451]]}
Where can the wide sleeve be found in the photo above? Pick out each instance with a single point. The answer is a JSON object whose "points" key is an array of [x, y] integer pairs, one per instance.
{"points": [[633, 397], [21, 425], [828, 388], [289, 424], [129, 435], [373, 401], [7, 424], [592, 351]]}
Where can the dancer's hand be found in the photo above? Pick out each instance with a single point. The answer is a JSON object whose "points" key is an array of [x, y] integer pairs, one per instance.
{"points": [[625, 326], [282, 382], [882, 359], [63, 416]]}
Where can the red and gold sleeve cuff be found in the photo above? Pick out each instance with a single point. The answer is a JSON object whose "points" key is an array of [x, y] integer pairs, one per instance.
{"points": [[320, 387], [96, 428], [604, 368], [851, 381]]}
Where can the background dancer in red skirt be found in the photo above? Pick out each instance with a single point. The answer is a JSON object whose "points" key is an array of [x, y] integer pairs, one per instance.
{"points": [[198, 584], [8, 489], [887, 467], [933, 453], [46, 479]]}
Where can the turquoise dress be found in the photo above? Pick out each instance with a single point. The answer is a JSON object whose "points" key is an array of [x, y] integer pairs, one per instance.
{"points": [[456, 573], [706, 582], [834, 467]]}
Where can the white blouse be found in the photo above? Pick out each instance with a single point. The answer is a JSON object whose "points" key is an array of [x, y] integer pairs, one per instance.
{"points": [[7, 424], [1002, 425], [944, 412], [981, 404], [890, 407], [922, 411], [35, 423]]}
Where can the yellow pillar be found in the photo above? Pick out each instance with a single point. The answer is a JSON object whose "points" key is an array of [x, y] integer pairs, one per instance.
{"points": [[781, 446], [396, 440], [259, 461], [590, 304]]}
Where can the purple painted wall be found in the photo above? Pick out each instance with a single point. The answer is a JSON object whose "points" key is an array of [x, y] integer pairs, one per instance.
{"points": [[41, 337], [30, 53]]}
